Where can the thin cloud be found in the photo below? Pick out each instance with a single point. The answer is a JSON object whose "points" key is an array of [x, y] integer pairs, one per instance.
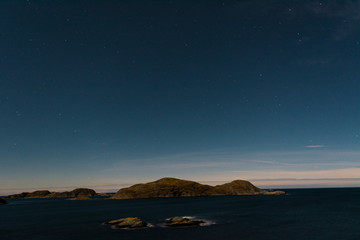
{"points": [[315, 146], [317, 174]]}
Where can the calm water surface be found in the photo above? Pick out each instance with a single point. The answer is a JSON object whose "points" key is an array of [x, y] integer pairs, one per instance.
{"points": [[302, 214]]}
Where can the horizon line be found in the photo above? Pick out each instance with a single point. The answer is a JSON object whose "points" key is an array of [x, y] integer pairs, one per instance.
{"points": [[265, 183]]}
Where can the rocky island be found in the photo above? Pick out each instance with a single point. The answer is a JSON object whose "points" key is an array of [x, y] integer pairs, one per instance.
{"points": [[173, 187], [130, 222], [78, 193]]}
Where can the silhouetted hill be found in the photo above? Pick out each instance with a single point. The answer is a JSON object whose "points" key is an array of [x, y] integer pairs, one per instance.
{"points": [[78, 192], [38, 194], [165, 187], [237, 187], [19, 195], [172, 187]]}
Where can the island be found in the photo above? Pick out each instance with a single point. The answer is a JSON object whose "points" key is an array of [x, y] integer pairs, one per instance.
{"points": [[183, 222], [129, 222], [173, 187], [135, 222], [162, 188], [78, 193]]}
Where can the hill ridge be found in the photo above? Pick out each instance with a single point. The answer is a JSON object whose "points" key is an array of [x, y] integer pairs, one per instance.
{"points": [[77, 192], [174, 187]]}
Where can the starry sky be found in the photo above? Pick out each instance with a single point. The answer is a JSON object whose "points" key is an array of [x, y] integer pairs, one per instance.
{"points": [[104, 94]]}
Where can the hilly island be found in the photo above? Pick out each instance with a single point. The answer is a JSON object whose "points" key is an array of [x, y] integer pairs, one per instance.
{"points": [[78, 193], [173, 187], [164, 187]]}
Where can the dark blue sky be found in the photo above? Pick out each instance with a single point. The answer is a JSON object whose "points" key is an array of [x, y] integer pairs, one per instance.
{"points": [[99, 93]]}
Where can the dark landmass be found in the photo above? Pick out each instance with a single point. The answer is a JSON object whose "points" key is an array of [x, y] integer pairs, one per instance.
{"points": [[172, 187], [2, 201], [106, 194], [20, 195], [237, 187], [38, 194], [79, 198], [183, 222], [76, 193], [165, 187], [278, 192], [130, 222]]}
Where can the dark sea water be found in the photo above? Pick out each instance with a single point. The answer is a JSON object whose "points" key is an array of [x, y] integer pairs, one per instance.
{"points": [[302, 214]]}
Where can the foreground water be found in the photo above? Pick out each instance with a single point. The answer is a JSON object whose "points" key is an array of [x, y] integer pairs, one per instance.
{"points": [[302, 214]]}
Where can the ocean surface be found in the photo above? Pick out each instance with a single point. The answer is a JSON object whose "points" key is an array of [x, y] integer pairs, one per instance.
{"points": [[301, 214]]}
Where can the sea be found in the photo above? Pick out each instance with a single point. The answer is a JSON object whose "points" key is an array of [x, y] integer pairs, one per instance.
{"points": [[301, 214]]}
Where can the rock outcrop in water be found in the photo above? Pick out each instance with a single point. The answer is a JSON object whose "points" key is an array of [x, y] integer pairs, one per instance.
{"points": [[183, 222], [79, 198], [274, 192], [130, 222], [2, 201], [172, 187], [76, 193]]}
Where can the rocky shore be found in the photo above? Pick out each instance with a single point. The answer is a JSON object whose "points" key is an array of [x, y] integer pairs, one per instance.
{"points": [[135, 222], [129, 222], [183, 222]]}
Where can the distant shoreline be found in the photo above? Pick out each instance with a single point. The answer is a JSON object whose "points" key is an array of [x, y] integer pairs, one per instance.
{"points": [[164, 187]]}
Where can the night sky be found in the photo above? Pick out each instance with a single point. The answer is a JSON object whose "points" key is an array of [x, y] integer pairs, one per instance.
{"points": [[104, 94]]}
